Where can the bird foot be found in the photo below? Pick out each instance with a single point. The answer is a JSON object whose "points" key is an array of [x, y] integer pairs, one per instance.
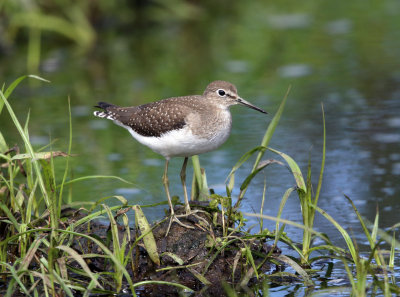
{"points": [[174, 218]]}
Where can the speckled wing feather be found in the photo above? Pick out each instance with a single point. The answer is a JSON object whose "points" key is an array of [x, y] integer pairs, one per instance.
{"points": [[152, 119]]}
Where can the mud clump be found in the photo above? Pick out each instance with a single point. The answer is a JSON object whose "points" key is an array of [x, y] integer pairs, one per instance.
{"points": [[201, 258]]}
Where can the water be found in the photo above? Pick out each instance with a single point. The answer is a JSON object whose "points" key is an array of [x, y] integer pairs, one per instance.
{"points": [[344, 55]]}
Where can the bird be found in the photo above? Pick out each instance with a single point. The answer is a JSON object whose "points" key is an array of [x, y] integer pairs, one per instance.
{"points": [[180, 127]]}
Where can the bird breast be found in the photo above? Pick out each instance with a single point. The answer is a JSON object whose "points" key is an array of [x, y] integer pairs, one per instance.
{"points": [[214, 125]]}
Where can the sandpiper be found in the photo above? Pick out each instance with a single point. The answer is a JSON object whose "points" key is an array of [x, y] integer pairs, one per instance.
{"points": [[180, 127]]}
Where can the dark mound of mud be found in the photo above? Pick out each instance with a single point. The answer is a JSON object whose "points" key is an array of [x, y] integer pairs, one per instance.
{"points": [[200, 258]]}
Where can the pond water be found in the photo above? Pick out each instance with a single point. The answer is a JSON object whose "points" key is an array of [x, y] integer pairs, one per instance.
{"points": [[344, 55]]}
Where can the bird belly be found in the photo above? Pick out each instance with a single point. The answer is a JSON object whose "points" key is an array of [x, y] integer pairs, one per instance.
{"points": [[181, 143]]}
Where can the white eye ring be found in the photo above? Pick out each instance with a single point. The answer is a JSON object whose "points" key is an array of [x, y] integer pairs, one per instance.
{"points": [[221, 93]]}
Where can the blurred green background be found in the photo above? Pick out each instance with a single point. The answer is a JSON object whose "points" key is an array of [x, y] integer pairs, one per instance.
{"points": [[345, 54]]}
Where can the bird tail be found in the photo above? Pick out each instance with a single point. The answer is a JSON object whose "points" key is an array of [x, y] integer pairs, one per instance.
{"points": [[106, 112], [104, 105]]}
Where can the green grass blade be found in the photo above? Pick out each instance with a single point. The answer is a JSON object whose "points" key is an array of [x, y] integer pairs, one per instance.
{"points": [[149, 282], [371, 238], [200, 181], [113, 228], [10, 89], [280, 220], [250, 258], [321, 173], [260, 167], [26, 260], [117, 263], [345, 235], [281, 206], [349, 274], [30, 150], [271, 128], [231, 175], [174, 257], [148, 238], [14, 84], [298, 176], [307, 279], [91, 286], [67, 161], [15, 280], [78, 258], [38, 78], [214, 256], [262, 205], [200, 277], [244, 158], [264, 143], [229, 290], [3, 144], [287, 222], [122, 199], [328, 247], [374, 232], [10, 216], [392, 251], [56, 278], [88, 177]]}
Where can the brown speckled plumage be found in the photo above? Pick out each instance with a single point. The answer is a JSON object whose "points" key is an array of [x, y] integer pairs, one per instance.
{"points": [[153, 119]]}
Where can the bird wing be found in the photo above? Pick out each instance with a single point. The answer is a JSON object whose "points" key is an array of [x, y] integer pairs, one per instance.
{"points": [[152, 119]]}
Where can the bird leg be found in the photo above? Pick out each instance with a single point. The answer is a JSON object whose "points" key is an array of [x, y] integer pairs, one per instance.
{"points": [[166, 187]]}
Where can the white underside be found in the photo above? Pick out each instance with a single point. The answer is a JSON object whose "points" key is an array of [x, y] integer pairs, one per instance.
{"points": [[180, 143]]}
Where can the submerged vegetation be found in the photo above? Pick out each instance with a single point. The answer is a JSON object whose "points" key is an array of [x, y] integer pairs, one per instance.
{"points": [[50, 245]]}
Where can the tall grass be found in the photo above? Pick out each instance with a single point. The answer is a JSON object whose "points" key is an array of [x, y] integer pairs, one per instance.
{"points": [[37, 255], [308, 198]]}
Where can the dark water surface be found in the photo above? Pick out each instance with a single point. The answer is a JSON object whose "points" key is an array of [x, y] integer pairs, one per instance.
{"points": [[346, 56]]}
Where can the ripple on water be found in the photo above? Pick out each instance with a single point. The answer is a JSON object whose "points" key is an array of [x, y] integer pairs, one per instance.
{"points": [[378, 171], [341, 26], [113, 157], [394, 157], [98, 124], [290, 21], [153, 162], [127, 191], [396, 168], [387, 208], [294, 70], [386, 137], [393, 122], [237, 66], [80, 111], [39, 140]]}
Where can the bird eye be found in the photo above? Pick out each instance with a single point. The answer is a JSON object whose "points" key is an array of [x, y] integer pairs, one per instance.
{"points": [[221, 92]]}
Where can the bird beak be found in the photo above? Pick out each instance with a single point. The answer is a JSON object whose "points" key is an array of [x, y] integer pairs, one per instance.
{"points": [[248, 104]]}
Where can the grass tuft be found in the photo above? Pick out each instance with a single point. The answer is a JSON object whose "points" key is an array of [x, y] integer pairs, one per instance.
{"points": [[49, 249]]}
